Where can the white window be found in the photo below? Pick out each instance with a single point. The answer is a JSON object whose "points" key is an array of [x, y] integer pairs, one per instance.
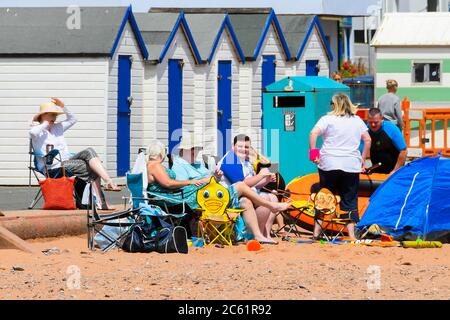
{"points": [[423, 72]]}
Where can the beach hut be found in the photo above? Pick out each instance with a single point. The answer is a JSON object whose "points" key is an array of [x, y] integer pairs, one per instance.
{"points": [[267, 59], [217, 86], [168, 76], [91, 58], [307, 43], [414, 49]]}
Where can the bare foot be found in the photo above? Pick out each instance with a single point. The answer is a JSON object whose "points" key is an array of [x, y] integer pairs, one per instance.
{"points": [[280, 206]]}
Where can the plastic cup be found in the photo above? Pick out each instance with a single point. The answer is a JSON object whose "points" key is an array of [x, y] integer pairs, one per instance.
{"points": [[314, 154]]}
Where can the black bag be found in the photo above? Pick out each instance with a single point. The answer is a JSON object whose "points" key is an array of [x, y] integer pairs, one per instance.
{"points": [[79, 190], [168, 239], [172, 240]]}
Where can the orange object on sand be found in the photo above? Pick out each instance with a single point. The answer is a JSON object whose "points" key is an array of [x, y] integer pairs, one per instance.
{"points": [[302, 187], [253, 245]]}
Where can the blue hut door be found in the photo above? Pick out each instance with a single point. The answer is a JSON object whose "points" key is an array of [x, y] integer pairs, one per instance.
{"points": [[175, 102], [224, 105], [312, 67], [124, 101], [267, 77]]}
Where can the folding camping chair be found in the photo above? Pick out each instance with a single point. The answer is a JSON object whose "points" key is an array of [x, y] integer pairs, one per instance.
{"points": [[291, 222], [331, 222], [122, 222], [174, 213], [216, 220], [33, 168]]}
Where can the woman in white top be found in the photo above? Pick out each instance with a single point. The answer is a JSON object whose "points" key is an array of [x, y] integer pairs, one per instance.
{"points": [[49, 134], [340, 161]]}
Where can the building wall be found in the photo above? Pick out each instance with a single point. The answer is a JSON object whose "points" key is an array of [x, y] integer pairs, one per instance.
{"points": [[156, 87], [224, 51], [330, 29], [128, 45], [270, 46], [396, 63], [25, 83]]}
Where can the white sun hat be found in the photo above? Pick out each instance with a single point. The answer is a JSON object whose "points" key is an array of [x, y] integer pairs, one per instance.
{"points": [[189, 141]]}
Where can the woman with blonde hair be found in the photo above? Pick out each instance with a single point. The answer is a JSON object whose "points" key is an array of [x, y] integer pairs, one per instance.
{"points": [[162, 181], [340, 160]]}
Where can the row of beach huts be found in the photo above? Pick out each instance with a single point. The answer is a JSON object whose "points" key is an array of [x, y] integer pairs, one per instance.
{"points": [[133, 77]]}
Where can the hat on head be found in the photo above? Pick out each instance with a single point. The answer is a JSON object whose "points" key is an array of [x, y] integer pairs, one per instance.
{"points": [[48, 107], [189, 141]]}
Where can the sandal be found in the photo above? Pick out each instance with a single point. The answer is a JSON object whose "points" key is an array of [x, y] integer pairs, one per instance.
{"points": [[269, 242]]}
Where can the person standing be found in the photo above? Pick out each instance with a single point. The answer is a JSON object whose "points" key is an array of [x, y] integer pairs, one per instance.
{"points": [[390, 104], [340, 161], [388, 145]]}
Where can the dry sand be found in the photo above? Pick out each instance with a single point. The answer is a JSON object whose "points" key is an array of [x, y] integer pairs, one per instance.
{"points": [[286, 271]]}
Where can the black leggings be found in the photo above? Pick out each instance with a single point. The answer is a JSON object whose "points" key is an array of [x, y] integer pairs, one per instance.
{"points": [[345, 184]]}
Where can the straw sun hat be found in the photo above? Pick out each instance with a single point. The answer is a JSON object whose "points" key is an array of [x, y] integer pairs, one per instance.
{"points": [[48, 107]]}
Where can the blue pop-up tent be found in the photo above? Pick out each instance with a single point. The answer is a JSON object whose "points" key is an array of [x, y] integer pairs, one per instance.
{"points": [[414, 201]]}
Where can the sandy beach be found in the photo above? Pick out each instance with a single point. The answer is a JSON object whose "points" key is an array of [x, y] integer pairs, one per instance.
{"points": [[286, 271]]}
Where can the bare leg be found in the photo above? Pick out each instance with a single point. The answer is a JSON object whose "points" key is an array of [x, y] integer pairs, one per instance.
{"points": [[265, 216], [96, 165], [244, 191], [251, 220], [279, 220], [97, 188], [317, 225], [351, 230]]}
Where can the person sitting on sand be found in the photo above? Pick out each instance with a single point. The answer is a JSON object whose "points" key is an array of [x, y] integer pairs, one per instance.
{"points": [[49, 134], [161, 181]]}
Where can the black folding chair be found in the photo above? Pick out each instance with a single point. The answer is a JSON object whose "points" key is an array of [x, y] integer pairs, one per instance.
{"points": [[96, 222], [49, 158]]}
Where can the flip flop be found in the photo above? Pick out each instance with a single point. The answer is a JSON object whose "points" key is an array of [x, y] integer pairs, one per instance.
{"points": [[267, 242]]}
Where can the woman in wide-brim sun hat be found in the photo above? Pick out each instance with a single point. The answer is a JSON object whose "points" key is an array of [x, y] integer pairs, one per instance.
{"points": [[85, 165], [48, 107]]}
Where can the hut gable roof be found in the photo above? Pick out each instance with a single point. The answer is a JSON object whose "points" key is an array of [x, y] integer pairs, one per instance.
{"points": [[297, 30], [47, 31], [207, 33], [251, 30], [159, 29]]}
